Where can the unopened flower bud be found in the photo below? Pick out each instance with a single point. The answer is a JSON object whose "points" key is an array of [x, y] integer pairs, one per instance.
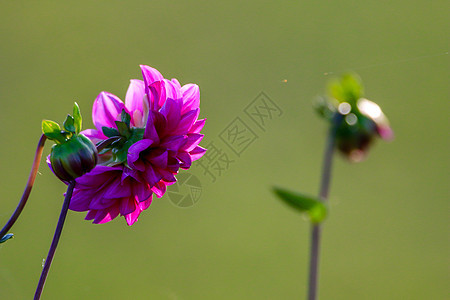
{"points": [[73, 158], [73, 155]]}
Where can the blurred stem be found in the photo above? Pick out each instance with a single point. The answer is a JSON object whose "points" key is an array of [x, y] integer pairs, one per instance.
{"points": [[323, 194], [28, 187], [51, 252]]}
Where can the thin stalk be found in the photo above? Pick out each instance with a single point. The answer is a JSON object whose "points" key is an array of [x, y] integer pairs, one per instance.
{"points": [[316, 229], [51, 252], [28, 187]]}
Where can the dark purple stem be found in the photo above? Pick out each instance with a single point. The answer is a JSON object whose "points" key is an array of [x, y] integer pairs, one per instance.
{"points": [[28, 187], [51, 252], [323, 195]]}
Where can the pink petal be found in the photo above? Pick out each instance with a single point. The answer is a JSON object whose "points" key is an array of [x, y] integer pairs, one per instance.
{"points": [[186, 122], [191, 97], [157, 95], [172, 90], [185, 159], [138, 165], [197, 153], [80, 200], [160, 123], [173, 143], [153, 86], [104, 216], [167, 176], [97, 176], [118, 189], [159, 189], [172, 112], [159, 158], [150, 75], [141, 192], [98, 202], [156, 124], [145, 204], [192, 141], [151, 176], [94, 135], [134, 102], [91, 214], [198, 126], [176, 83], [134, 153], [132, 218], [127, 206], [131, 173], [173, 164], [107, 108]]}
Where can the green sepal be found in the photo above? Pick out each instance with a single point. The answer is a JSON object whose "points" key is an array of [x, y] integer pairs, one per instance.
{"points": [[124, 130], [118, 142], [120, 155], [316, 210], [110, 132], [119, 147], [77, 118], [125, 117], [69, 124], [6, 237], [53, 132], [104, 151]]}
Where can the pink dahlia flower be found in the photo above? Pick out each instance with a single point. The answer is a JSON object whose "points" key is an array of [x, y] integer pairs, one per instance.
{"points": [[144, 141]]}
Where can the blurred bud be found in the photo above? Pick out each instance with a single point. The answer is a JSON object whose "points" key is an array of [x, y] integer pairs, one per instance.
{"points": [[73, 155], [362, 120]]}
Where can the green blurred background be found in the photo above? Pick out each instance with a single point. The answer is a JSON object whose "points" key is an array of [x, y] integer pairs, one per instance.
{"points": [[387, 235]]}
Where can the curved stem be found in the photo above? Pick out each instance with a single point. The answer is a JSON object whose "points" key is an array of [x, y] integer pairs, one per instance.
{"points": [[51, 252], [316, 229], [28, 187]]}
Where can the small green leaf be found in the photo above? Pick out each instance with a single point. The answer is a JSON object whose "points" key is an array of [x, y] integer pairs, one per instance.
{"points": [[123, 129], [52, 131], [125, 117], [325, 107], [69, 124], [6, 237], [348, 88], [77, 118], [110, 132], [316, 210], [50, 126]]}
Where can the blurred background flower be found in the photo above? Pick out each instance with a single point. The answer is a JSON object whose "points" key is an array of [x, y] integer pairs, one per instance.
{"points": [[236, 242], [361, 120]]}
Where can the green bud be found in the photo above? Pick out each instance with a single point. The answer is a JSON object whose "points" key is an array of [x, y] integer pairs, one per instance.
{"points": [[73, 158]]}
